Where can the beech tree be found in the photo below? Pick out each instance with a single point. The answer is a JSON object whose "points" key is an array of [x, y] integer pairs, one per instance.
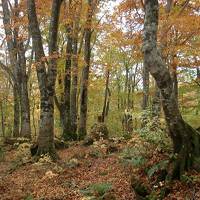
{"points": [[185, 139], [82, 130], [17, 51], [67, 102], [46, 73]]}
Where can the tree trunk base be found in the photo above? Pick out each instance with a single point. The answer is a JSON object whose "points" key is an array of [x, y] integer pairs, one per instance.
{"points": [[82, 133], [48, 151], [69, 136], [187, 156], [59, 144]]}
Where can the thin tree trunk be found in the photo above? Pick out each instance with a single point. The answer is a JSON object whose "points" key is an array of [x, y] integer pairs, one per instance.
{"points": [[198, 90], [25, 106], [67, 132], [175, 84], [82, 130], [108, 103], [145, 77], [76, 52], [18, 62], [2, 118], [11, 44], [175, 80], [16, 122], [73, 108], [129, 92], [118, 94], [33, 118], [156, 103], [105, 105], [126, 96], [134, 84]]}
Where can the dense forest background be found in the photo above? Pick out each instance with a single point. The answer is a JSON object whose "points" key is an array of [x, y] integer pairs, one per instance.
{"points": [[78, 72]]}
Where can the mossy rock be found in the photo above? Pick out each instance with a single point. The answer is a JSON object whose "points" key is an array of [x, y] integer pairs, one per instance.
{"points": [[99, 131]]}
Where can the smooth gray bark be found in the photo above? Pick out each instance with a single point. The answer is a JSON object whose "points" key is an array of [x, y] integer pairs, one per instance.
{"points": [[18, 63], [185, 138], [46, 78]]}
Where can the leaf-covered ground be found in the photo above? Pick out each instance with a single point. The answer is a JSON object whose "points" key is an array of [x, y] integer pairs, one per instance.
{"points": [[80, 167], [57, 181]]}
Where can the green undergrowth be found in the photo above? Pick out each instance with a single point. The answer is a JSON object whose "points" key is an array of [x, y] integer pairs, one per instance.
{"points": [[97, 191]]}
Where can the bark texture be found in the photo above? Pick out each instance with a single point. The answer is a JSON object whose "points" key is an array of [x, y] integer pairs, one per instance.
{"points": [[24, 97], [106, 97], [74, 86], [19, 77], [46, 78], [145, 77], [68, 133], [82, 130], [185, 138]]}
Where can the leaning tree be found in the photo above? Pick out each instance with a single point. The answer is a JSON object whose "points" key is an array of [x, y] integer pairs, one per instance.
{"points": [[185, 139]]}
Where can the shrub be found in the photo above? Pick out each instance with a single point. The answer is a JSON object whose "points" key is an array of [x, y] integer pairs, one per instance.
{"points": [[153, 132], [134, 156], [162, 165], [23, 152]]}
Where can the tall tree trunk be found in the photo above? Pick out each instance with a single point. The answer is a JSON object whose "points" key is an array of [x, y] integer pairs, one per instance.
{"points": [[185, 138], [11, 44], [18, 62], [156, 103], [46, 79], [174, 76], [2, 118], [82, 130], [25, 105], [126, 96], [134, 84], [16, 123], [175, 83], [145, 77], [67, 132], [198, 90], [129, 99], [106, 102], [73, 109], [74, 89], [118, 93]]}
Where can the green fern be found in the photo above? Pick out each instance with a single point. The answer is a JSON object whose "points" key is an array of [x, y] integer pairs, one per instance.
{"points": [[97, 189], [158, 166]]}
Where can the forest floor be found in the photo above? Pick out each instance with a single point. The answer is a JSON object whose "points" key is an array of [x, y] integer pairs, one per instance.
{"points": [[99, 171]]}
